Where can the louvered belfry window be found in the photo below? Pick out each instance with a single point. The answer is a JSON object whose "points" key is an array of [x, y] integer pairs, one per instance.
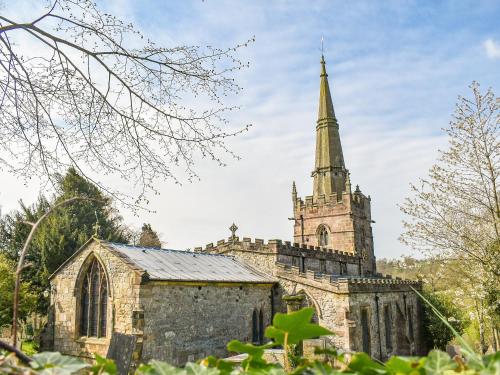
{"points": [[94, 302]]}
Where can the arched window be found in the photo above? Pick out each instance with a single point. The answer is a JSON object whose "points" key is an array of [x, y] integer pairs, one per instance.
{"points": [[255, 327], [322, 236], [94, 301], [261, 327]]}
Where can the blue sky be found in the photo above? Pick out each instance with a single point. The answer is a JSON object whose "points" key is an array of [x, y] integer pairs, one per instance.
{"points": [[395, 69]]}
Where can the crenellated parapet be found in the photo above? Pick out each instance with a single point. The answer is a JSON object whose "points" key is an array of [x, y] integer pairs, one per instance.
{"points": [[346, 284], [266, 255], [276, 246]]}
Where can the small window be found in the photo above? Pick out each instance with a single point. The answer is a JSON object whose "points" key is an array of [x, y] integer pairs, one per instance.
{"points": [[365, 330], [343, 268], [261, 327], [322, 265], [410, 324], [302, 267], [255, 327], [258, 327], [94, 302], [388, 328], [323, 236]]}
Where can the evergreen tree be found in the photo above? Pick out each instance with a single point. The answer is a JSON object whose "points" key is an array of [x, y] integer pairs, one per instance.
{"points": [[27, 296], [63, 232], [68, 228], [149, 237]]}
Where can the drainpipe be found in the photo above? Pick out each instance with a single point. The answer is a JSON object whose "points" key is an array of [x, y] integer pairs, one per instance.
{"points": [[378, 325]]}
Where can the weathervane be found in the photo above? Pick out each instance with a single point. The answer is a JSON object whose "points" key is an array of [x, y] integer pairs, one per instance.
{"points": [[322, 40]]}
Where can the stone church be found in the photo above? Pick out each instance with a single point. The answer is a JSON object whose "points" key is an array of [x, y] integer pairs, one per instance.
{"points": [[182, 306]]}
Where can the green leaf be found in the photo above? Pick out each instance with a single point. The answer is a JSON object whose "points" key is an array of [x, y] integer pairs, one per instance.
{"points": [[438, 362], [254, 361], [103, 366], [296, 325], [491, 364], [160, 368], [56, 363], [196, 369], [404, 365], [363, 364], [225, 367]]}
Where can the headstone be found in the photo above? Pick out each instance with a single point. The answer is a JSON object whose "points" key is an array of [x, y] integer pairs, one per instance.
{"points": [[120, 350]]}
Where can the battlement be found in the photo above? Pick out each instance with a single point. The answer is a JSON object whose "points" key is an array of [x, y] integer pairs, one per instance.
{"points": [[358, 200], [331, 200], [278, 247], [346, 284]]}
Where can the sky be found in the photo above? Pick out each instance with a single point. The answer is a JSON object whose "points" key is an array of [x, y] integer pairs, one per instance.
{"points": [[395, 69]]}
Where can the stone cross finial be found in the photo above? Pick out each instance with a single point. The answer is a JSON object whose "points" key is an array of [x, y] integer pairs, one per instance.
{"points": [[233, 228], [96, 226]]}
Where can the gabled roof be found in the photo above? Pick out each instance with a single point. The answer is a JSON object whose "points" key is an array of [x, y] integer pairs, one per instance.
{"points": [[178, 265]]}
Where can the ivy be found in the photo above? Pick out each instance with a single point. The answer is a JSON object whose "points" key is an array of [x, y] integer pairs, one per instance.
{"points": [[287, 331]]}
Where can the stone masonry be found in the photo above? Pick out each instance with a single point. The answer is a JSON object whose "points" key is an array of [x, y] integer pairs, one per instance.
{"points": [[183, 306], [332, 282], [174, 320]]}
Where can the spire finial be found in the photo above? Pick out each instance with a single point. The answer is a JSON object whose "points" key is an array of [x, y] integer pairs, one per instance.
{"points": [[323, 67]]}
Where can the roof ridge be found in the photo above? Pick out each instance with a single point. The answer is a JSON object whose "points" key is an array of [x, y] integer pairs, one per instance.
{"points": [[167, 250]]}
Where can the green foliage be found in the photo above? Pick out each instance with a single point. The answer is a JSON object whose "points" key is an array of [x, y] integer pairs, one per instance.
{"points": [[49, 363], [292, 328], [29, 348], [68, 228], [436, 332], [149, 237], [103, 366], [63, 231], [297, 327], [7, 280]]}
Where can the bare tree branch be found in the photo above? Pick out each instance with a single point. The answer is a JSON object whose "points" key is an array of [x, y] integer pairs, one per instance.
{"points": [[456, 210], [92, 93]]}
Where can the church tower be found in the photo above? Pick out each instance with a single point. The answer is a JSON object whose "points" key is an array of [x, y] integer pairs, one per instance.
{"points": [[333, 216]]}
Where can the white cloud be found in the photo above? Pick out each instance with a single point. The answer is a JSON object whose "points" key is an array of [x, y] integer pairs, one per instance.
{"points": [[393, 89], [492, 48]]}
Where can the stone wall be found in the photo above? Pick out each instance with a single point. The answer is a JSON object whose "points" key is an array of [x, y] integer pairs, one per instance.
{"points": [[332, 284], [123, 298], [186, 322], [347, 218], [404, 321], [265, 256]]}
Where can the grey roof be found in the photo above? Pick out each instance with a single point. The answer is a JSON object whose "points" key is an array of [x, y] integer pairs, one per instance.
{"points": [[164, 264]]}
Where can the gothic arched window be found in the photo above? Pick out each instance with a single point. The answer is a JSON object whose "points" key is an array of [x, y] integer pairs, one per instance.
{"points": [[323, 236], [94, 301]]}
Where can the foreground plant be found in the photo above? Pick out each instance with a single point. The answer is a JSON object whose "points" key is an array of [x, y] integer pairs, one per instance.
{"points": [[287, 330]]}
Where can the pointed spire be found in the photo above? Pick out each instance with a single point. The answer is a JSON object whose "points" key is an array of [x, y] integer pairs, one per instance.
{"points": [[329, 173], [325, 99], [294, 192]]}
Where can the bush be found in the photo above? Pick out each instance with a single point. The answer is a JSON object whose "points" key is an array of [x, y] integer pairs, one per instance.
{"points": [[436, 333]]}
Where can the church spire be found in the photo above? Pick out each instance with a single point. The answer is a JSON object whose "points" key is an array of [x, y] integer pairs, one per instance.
{"points": [[325, 99], [329, 173]]}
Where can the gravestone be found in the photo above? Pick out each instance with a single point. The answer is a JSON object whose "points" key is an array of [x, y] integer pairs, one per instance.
{"points": [[120, 350]]}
